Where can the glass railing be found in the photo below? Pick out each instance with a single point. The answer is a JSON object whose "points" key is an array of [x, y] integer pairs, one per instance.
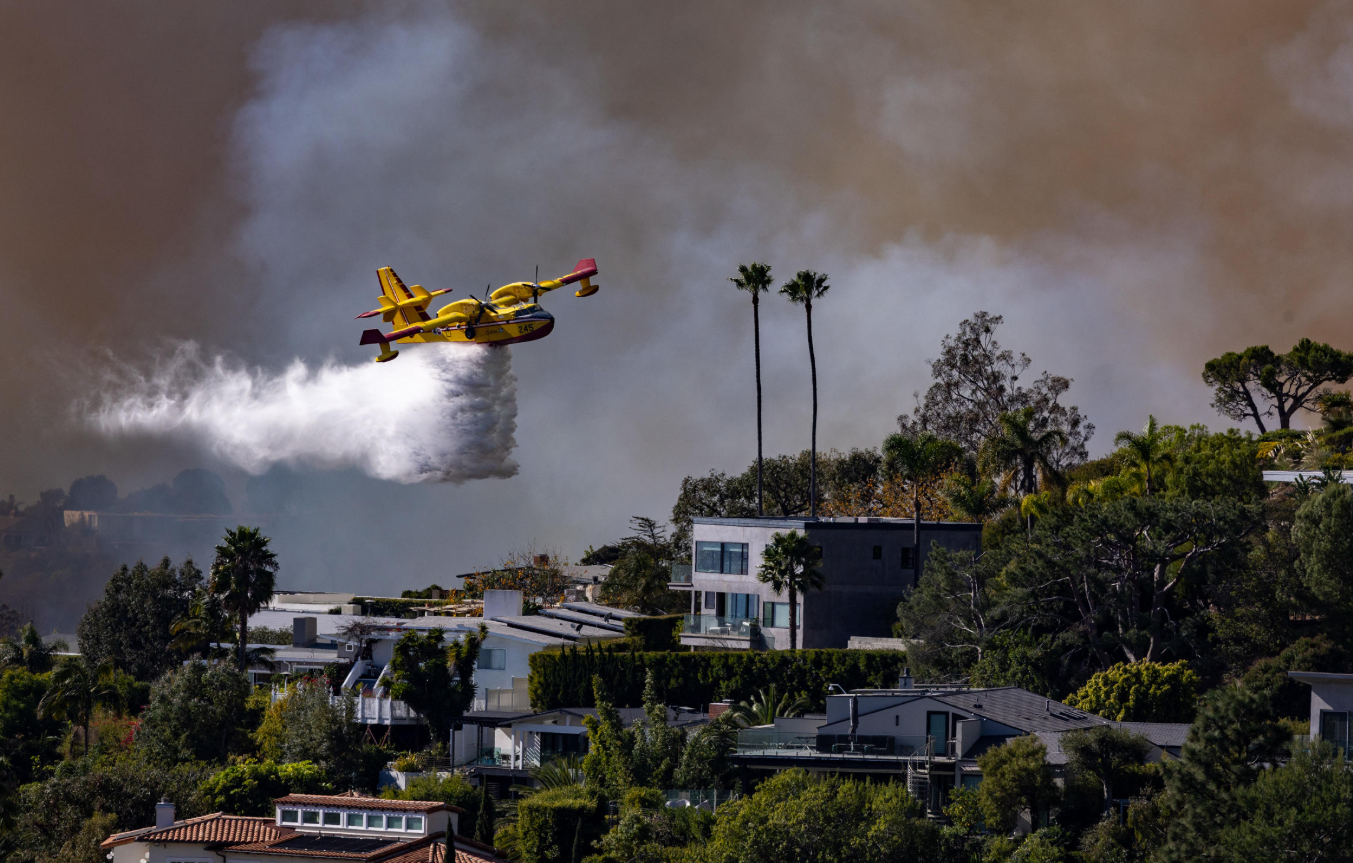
{"points": [[708, 624], [681, 574], [756, 741]]}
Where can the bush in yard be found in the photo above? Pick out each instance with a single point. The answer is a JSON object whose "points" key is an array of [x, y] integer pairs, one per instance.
{"points": [[559, 825], [1141, 692]]}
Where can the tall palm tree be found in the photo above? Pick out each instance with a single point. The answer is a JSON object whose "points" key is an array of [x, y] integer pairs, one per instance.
{"points": [[1149, 453], [244, 576], [754, 278], [28, 651], [73, 692], [915, 459], [765, 708], [805, 287], [1020, 454], [789, 564]]}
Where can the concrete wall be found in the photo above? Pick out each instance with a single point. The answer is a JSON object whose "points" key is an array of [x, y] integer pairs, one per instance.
{"points": [[1329, 695]]}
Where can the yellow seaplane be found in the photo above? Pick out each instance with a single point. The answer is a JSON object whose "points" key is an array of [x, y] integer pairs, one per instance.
{"points": [[507, 316]]}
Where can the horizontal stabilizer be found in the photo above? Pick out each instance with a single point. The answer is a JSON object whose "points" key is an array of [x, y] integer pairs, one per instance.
{"points": [[584, 268], [373, 337]]}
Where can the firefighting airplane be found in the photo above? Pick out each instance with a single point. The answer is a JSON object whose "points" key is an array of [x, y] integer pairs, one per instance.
{"points": [[509, 315]]}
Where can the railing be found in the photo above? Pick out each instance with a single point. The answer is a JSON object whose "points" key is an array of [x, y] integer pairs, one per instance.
{"points": [[755, 741], [746, 629], [709, 798], [681, 573], [382, 711], [506, 700]]}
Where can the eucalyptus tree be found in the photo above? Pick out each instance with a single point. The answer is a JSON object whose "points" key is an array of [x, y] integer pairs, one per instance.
{"points": [[244, 576], [805, 287], [789, 565], [754, 278]]}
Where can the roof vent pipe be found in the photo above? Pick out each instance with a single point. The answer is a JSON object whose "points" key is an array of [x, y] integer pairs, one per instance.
{"points": [[1047, 704]]}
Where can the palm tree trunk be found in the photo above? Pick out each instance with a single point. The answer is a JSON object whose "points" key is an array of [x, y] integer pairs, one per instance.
{"points": [[756, 341], [793, 617], [812, 463], [244, 637]]}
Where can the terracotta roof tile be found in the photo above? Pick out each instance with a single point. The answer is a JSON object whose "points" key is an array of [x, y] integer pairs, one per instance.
{"points": [[333, 847], [348, 801], [217, 827], [467, 851]]}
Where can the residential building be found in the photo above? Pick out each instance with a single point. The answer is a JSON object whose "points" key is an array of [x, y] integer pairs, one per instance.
{"points": [[928, 736], [867, 565], [305, 829], [1331, 705]]}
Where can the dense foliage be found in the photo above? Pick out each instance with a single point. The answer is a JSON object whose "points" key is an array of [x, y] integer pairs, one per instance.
{"points": [[130, 626], [564, 678]]}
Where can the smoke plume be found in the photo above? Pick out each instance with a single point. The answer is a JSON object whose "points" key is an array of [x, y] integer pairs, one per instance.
{"points": [[438, 415]]}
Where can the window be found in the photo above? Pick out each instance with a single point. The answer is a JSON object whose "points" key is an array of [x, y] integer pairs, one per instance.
{"points": [[728, 558], [908, 558], [309, 816], [413, 822], [741, 606], [333, 819], [878, 552], [291, 816], [493, 659], [376, 821], [1334, 727], [394, 822], [355, 819], [775, 614]]}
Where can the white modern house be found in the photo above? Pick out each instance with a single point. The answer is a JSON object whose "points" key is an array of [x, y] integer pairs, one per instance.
{"points": [[306, 828], [1331, 705], [867, 564]]}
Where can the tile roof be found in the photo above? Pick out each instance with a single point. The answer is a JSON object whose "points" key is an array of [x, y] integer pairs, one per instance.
{"points": [[217, 827], [352, 801], [333, 847]]}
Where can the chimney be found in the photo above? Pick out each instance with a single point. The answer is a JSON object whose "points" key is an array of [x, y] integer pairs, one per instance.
{"points": [[502, 603], [304, 631], [904, 682], [718, 708], [164, 813]]}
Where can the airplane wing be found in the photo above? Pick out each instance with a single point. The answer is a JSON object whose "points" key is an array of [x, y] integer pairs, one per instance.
{"points": [[523, 291], [394, 288]]}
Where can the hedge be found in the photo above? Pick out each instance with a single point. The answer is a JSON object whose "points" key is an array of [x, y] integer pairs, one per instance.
{"points": [[655, 633], [559, 825], [564, 678]]}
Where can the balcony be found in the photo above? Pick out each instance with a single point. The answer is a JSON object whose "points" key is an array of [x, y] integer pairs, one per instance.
{"points": [[711, 630], [790, 744], [681, 574]]}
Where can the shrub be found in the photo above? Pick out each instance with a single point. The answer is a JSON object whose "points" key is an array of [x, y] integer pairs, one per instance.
{"points": [[655, 633], [564, 678], [1141, 692], [248, 788], [558, 824], [451, 789]]}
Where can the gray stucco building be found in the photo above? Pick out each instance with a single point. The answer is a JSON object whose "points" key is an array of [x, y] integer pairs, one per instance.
{"points": [[867, 566]]}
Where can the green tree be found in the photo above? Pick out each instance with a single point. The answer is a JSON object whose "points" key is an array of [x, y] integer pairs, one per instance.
{"points": [[28, 652], [657, 747], [308, 724], [704, 759], [915, 459], [453, 789], [1106, 753], [27, 739], [1258, 382], [638, 579], [249, 787], [1021, 453], [767, 706], [805, 287], [559, 825], [956, 609], [1148, 454], [483, 825], [434, 678], [1141, 692], [1016, 777], [131, 625], [609, 764], [754, 278], [196, 712], [789, 564], [74, 690], [1323, 532], [1302, 810], [1234, 739], [244, 575]]}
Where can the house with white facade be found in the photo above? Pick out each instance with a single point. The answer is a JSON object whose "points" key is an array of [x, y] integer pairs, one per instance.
{"points": [[867, 564], [1331, 705], [306, 829]]}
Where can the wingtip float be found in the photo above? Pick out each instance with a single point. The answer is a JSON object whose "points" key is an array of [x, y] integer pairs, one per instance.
{"points": [[510, 315]]}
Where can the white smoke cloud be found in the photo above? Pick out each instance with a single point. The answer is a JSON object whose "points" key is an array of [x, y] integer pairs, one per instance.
{"points": [[437, 414]]}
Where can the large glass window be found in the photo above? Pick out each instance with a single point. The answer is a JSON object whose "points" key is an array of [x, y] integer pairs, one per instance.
{"points": [[413, 822], [1334, 727], [376, 821], [394, 822], [775, 614], [309, 817], [355, 819], [290, 816], [728, 558], [333, 819], [493, 658], [742, 605]]}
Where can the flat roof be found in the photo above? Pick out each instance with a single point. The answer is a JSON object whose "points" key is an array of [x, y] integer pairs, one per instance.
{"points": [[805, 523]]}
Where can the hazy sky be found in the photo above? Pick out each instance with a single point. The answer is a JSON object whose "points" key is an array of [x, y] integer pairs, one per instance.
{"points": [[1135, 186]]}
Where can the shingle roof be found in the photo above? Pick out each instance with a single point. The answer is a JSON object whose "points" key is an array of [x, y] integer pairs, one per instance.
{"points": [[1164, 734], [356, 802], [217, 827], [1019, 709]]}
